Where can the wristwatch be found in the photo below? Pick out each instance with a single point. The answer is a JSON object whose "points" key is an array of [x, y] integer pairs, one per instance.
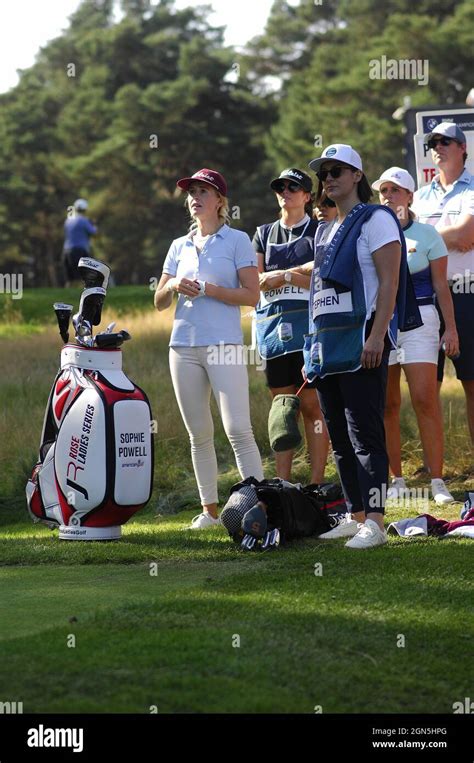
{"points": [[287, 276]]}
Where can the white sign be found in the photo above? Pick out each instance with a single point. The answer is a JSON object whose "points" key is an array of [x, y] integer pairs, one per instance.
{"points": [[426, 122], [283, 292], [328, 301]]}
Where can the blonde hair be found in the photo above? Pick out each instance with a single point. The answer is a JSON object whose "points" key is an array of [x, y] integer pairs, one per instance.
{"points": [[222, 212]]}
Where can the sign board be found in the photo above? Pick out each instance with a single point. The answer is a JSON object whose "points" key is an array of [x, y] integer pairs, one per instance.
{"points": [[426, 122]]}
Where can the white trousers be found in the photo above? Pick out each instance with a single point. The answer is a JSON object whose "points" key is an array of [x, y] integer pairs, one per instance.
{"points": [[195, 373]]}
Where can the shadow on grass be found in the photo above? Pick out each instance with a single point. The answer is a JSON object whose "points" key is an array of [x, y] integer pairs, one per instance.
{"points": [[298, 646]]}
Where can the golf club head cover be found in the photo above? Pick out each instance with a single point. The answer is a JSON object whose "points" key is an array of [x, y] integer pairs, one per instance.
{"points": [[111, 340], [90, 307], [63, 315], [255, 521], [243, 497], [93, 272], [283, 431]]}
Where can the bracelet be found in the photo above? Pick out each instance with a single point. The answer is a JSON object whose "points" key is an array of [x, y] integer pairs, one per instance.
{"points": [[202, 288], [169, 286]]}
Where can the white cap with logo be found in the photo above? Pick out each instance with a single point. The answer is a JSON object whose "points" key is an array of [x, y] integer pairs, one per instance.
{"points": [[80, 204], [340, 152], [395, 175]]}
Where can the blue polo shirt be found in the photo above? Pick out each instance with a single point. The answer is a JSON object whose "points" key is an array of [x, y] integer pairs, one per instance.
{"points": [[206, 321], [443, 207], [77, 231], [424, 244]]}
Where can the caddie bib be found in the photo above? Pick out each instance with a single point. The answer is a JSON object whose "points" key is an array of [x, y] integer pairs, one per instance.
{"points": [[282, 312]]}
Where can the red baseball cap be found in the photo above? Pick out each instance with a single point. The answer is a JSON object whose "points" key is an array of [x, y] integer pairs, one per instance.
{"points": [[205, 175]]}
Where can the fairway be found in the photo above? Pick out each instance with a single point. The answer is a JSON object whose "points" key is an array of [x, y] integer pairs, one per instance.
{"points": [[209, 629], [173, 621]]}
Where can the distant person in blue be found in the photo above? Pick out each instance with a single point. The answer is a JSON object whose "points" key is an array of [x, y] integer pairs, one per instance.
{"points": [[77, 231]]}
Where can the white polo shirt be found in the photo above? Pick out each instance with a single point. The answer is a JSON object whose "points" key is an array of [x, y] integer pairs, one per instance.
{"points": [[206, 321], [442, 208]]}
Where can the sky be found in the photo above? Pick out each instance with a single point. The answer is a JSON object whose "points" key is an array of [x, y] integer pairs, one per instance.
{"points": [[26, 25]]}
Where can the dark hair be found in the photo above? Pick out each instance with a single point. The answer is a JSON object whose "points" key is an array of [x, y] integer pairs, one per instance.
{"points": [[364, 191], [325, 201], [308, 207], [464, 157]]}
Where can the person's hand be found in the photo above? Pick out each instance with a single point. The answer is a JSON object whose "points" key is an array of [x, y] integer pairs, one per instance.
{"points": [[271, 280], [372, 353], [183, 286], [450, 340], [202, 288]]}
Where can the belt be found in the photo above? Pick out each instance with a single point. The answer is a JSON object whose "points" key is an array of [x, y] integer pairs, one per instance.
{"points": [[424, 301]]}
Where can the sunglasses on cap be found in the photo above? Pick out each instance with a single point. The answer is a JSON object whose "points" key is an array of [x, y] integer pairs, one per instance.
{"points": [[433, 142], [280, 185], [335, 172]]}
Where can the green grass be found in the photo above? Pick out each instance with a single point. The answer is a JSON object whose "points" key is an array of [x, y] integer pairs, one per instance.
{"points": [[36, 305], [166, 640]]}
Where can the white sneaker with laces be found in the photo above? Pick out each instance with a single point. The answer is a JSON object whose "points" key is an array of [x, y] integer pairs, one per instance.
{"points": [[440, 492], [397, 489], [203, 520], [346, 528], [369, 536]]}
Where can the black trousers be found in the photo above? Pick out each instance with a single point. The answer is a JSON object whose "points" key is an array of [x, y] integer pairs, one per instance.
{"points": [[71, 259], [353, 406]]}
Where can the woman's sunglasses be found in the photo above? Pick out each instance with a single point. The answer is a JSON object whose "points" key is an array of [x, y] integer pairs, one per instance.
{"points": [[433, 142], [280, 186], [335, 172]]}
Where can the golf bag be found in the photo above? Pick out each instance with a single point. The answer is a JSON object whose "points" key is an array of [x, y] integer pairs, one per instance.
{"points": [[294, 511], [96, 456], [95, 465]]}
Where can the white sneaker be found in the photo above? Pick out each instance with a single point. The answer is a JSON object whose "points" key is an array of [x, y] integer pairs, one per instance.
{"points": [[397, 489], [369, 535], [346, 528], [440, 492], [203, 520]]}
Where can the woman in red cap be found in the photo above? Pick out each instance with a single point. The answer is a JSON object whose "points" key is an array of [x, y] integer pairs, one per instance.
{"points": [[282, 313], [213, 270]]}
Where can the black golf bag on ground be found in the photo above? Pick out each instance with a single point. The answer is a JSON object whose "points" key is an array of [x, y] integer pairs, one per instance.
{"points": [[293, 510], [95, 465]]}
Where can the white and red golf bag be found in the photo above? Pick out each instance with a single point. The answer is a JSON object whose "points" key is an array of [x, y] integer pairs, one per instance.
{"points": [[96, 456], [95, 466]]}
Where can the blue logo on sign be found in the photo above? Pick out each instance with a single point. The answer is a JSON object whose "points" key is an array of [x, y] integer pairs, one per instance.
{"points": [[331, 151], [431, 124]]}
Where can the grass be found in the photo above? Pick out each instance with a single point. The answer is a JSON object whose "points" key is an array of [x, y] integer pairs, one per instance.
{"points": [[171, 640]]}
